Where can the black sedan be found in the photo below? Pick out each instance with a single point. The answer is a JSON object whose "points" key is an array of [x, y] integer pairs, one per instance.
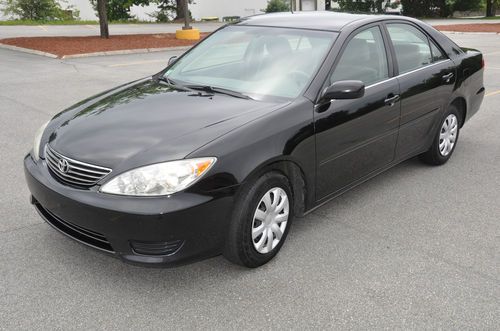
{"points": [[263, 121]]}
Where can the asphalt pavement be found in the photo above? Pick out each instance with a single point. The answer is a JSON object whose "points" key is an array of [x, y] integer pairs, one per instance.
{"points": [[417, 247]]}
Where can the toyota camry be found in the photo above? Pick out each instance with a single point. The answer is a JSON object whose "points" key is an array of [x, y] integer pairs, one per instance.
{"points": [[264, 120]]}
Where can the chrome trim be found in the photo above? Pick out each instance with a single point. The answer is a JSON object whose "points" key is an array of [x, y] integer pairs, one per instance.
{"points": [[381, 82], [79, 173], [421, 68], [75, 161], [406, 73]]}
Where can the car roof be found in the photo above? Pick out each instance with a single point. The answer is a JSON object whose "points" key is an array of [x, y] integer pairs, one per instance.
{"points": [[317, 20]]}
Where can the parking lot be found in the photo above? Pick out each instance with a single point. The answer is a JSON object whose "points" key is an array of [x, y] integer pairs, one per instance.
{"points": [[417, 247]]}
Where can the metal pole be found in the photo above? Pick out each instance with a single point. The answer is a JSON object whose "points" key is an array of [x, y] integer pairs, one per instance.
{"points": [[186, 16]]}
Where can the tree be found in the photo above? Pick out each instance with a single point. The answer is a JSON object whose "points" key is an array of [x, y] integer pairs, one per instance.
{"points": [[466, 5], [103, 18], [443, 8], [491, 8], [179, 9], [166, 8], [274, 6], [427, 8], [36, 10], [367, 6], [117, 10]]}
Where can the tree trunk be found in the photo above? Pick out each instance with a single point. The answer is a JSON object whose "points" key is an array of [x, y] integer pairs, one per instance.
{"points": [[490, 8], [179, 10], [444, 9], [103, 18]]}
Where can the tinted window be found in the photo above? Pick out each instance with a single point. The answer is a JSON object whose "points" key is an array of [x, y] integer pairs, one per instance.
{"points": [[437, 55], [363, 59], [411, 47]]}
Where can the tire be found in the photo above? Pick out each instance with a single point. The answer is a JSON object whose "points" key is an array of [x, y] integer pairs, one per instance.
{"points": [[437, 155], [240, 247]]}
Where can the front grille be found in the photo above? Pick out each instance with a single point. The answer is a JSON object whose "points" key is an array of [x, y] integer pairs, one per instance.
{"points": [[156, 247], [73, 172], [81, 234]]}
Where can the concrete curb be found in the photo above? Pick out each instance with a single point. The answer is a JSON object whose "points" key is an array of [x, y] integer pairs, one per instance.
{"points": [[28, 50], [74, 56], [475, 33], [127, 51]]}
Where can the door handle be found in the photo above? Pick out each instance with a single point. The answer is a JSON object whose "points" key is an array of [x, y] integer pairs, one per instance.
{"points": [[447, 78], [391, 100]]}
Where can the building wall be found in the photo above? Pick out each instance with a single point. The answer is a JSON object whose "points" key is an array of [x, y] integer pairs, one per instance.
{"points": [[309, 4], [199, 8], [85, 8], [221, 8]]}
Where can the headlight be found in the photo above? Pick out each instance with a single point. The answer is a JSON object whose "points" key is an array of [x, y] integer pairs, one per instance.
{"points": [[36, 142], [159, 179]]}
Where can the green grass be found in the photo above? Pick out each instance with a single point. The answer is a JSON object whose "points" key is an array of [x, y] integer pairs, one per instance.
{"points": [[30, 22], [68, 22]]}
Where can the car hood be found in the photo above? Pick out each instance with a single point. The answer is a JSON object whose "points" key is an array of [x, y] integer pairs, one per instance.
{"points": [[146, 122]]}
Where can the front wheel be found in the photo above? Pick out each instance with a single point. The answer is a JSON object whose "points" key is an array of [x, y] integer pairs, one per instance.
{"points": [[446, 139], [260, 222]]}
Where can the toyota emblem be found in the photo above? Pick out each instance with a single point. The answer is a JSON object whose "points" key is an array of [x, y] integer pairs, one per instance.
{"points": [[63, 166]]}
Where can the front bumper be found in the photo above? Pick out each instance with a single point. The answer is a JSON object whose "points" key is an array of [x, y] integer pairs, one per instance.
{"points": [[158, 231]]}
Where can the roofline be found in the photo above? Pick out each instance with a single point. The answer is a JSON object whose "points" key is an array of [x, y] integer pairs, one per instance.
{"points": [[356, 19]]}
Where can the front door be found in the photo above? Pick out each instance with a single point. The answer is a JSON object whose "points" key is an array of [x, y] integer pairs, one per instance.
{"points": [[355, 138]]}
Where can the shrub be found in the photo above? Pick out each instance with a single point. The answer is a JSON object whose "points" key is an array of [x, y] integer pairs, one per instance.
{"points": [[465, 5], [36, 10], [274, 6]]}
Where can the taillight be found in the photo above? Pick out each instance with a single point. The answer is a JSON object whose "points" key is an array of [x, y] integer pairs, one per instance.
{"points": [[482, 63]]}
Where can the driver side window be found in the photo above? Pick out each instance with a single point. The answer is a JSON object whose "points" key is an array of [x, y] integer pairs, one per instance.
{"points": [[363, 59]]}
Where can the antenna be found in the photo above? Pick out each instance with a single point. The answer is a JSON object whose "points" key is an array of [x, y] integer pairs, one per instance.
{"points": [[291, 6]]}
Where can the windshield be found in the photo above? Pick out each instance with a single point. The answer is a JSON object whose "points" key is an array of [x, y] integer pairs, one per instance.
{"points": [[255, 61]]}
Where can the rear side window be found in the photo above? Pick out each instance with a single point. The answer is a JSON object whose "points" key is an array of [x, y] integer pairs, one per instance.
{"points": [[411, 47], [364, 59], [437, 54]]}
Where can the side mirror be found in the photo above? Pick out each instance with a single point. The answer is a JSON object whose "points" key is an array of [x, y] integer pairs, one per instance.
{"points": [[345, 89], [172, 60]]}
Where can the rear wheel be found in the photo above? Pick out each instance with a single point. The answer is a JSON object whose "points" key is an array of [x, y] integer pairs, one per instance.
{"points": [[260, 222], [446, 139]]}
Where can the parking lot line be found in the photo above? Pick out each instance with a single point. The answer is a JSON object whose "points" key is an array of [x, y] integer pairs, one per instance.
{"points": [[492, 93], [43, 28]]}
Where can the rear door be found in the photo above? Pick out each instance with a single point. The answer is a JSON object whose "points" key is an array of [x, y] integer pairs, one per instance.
{"points": [[357, 137], [426, 77]]}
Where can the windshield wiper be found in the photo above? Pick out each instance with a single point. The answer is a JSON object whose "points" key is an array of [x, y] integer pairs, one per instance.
{"points": [[172, 82], [213, 89]]}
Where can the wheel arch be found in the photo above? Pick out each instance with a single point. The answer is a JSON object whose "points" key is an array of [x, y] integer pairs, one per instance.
{"points": [[299, 183], [461, 105]]}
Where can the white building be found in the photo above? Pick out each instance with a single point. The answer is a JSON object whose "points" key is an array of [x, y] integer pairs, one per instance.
{"points": [[243, 8], [204, 8]]}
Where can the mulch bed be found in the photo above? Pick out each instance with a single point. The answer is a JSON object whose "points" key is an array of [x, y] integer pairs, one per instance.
{"points": [[487, 27], [61, 46]]}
